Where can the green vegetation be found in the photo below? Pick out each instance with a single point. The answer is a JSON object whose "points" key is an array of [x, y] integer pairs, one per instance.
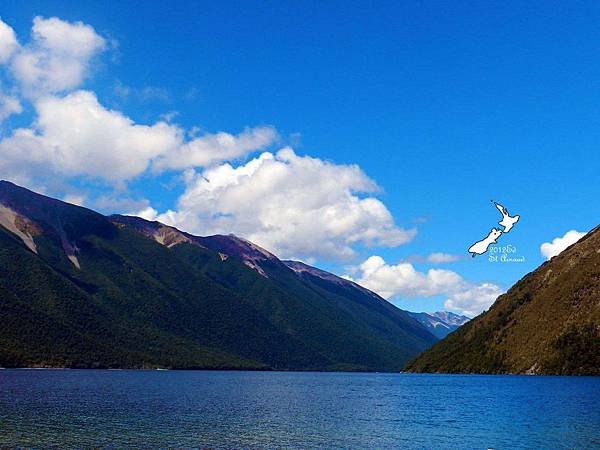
{"points": [[137, 303], [548, 323]]}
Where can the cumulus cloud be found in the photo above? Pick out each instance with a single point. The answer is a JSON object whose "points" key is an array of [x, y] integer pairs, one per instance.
{"points": [[75, 199], [75, 135], [9, 105], [296, 206], [550, 249], [148, 213], [403, 280], [8, 42], [472, 299], [57, 58], [213, 148]]}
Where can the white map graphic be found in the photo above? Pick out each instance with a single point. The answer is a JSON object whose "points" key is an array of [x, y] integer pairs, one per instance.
{"points": [[480, 247], [507, 223]]}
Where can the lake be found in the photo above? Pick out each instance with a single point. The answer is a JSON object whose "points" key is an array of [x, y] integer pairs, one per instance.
{"points": [[146, 409]]}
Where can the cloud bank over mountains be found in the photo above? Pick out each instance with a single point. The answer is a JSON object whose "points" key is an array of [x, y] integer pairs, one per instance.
{"points": [[294, 205], [247, 182], [403, 280]]}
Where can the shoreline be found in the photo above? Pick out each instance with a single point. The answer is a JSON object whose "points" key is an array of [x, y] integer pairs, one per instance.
{"points": [[288, 371]]}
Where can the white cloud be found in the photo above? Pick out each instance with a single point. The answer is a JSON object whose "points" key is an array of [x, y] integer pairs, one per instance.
{"points": [[472, 299], [119, 202], [147, 213], [295, 206], [550, 249], [403, 280], [75, 199], [9, 105], [75, 135], [442, 258], [8, 42], [213, 148], [57, 58]]}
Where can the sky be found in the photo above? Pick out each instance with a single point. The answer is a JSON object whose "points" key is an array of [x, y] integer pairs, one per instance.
{"points": [[366, 138]]}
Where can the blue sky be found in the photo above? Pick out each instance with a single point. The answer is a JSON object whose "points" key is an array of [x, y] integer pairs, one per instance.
{"points": [[444, 106]]}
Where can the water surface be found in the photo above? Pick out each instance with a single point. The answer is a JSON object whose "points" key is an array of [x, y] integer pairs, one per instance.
{"points": [[183, 409]]}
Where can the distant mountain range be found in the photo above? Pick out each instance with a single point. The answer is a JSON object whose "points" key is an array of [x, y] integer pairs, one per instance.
{"points": [[79, 289], [440, 323], [547, 323]]}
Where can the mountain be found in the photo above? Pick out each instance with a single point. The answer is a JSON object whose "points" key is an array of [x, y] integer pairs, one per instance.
{"points": [[79, 289], [547, 323], [440, 323]]}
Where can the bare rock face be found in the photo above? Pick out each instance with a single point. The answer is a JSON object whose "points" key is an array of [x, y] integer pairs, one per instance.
{"points": [[19, 225], [163, 234]]}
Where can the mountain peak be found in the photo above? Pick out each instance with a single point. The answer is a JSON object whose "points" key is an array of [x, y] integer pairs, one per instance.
{"points": [[440, 323], [450, 317]]}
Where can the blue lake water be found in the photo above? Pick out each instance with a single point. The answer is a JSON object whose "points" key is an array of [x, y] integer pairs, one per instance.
{"points": [[183, 409]]}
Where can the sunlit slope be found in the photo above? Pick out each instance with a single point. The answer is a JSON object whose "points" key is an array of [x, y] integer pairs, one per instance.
{"points": [[547, 323]]}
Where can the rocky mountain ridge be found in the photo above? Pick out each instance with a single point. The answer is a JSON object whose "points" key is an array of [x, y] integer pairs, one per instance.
{"points": [[79, 289]]}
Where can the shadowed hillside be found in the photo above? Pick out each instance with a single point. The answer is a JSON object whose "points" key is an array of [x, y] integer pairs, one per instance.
{"points": [[78, 289]]}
